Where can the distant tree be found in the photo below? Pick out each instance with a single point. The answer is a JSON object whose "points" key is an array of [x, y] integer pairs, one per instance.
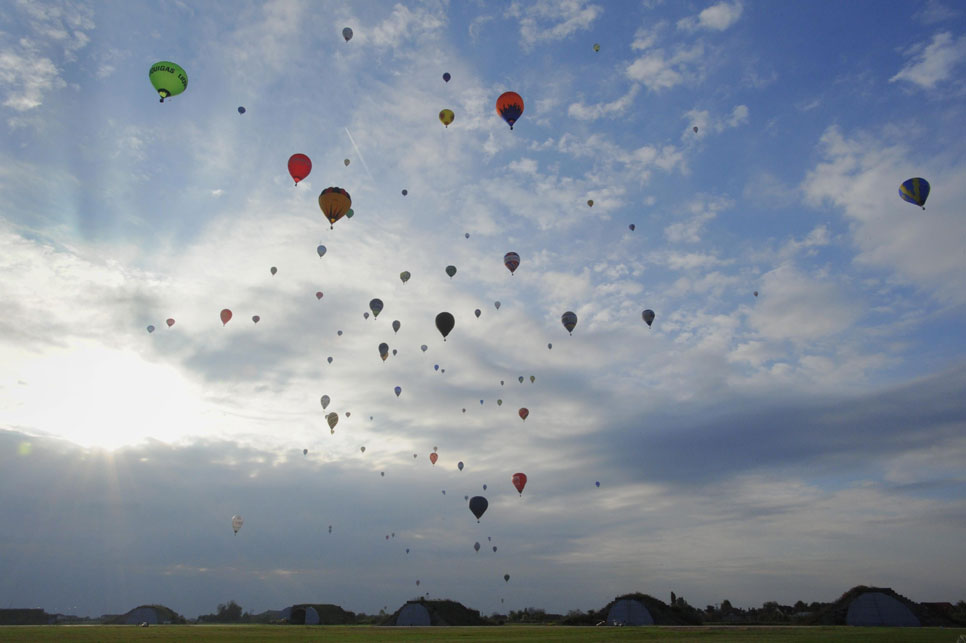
{"points": [[230, 613], [673, 599], [800, 606], [726, 606]]}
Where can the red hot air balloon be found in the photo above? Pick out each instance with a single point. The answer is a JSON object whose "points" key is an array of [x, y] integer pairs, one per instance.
{"points": [[433, 457], [169, 322], [225, 316], [510, 107], [524, 412], [520, 481], [299, 166]]}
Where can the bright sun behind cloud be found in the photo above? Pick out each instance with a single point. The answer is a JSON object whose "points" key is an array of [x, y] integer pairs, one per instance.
{"points": [[101, 397]]}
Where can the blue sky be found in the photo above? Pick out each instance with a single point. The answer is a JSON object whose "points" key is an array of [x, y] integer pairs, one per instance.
{"points": [[780, 447]]}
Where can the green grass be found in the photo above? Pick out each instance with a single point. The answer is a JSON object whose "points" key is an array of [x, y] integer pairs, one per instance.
{"points": [[736, 634]]}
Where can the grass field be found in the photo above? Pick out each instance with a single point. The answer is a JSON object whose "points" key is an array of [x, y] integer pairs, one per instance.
{"points": [[496, 633]]}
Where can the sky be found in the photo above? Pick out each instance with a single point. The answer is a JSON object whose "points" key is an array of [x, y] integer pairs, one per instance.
{"points": [[785, 445]]}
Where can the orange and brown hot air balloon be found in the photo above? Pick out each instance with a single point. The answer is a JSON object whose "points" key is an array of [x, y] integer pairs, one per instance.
{"points": [[524, 412], [433, 457], [225, 316], [510, 107], [334, 202]]}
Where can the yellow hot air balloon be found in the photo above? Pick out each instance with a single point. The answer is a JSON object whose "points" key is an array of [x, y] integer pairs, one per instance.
{"points": [[334, 202], [446, 117]]}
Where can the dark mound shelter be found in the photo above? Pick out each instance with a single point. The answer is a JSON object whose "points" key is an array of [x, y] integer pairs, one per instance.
{"points": [[413, 614], [150, 614], [874, 609], [317, 614], [635, 609], [441, 612], [629, 611]]}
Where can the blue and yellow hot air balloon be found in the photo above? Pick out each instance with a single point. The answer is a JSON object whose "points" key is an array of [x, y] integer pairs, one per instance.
{"points": [[915, 191]]}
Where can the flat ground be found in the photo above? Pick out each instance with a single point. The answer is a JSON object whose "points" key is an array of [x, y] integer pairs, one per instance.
{"points": [[732, 634]]}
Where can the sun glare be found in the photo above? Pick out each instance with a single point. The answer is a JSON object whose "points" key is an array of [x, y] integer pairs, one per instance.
{"points": [[99, 397]]}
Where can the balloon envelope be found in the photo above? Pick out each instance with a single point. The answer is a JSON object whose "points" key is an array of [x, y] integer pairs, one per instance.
{"points": [[446, 117], [511, 260], [241, 110], [347, 34], [332, 419], [433, 457], [404, 276], [590, 203], [446, 77], [444, 324], [375, 305], [318, 294], [398, 390], [476, 546], [569, 321], [477, 312], [299, 166], [169, 321], [510, 107], [478, 505], [256, 318], [524, 412], [325, 401], [225, 316], [273, 270], [237, 522], [648, 317], [450, 270], [150, 329], [334, 203], [459, 465], [383, 351], [168, 78], [321, 250], [915, 191], [520, 481], [395, 326]]}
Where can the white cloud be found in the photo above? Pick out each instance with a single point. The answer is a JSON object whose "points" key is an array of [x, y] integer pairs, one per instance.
{"points": [[703, 120], [934, 62], [405, 25], [702, 210], [613, 108], [801, 307], [549, 20], [717, 17], [935, 11], [659, 71]]}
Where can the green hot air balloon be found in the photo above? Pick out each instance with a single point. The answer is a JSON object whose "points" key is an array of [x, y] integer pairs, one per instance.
{"points": [[168, 79], [404, 276], [450, 270]]}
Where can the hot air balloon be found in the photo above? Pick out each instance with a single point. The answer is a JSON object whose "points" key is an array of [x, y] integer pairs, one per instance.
{"points": [[756, 293], [375, 305], [477, 312], [478, 505], [506, 577], [404, 276], [435, 367], [446, 117], [407, 550], [255, 319], [494, 548], [915, 191], [631, 227], [334, 203], [225, 316], [237, 522], [415, 456], [384, 351], [365, 315], [467, 235], [325, 401], [499, 402], [305, 451], [347, 34], [332, 419], [318, 294], [435, 449], [444, 324], [446, 77], [695, 128], [511, 260], [169, 321], [549, 346], [433, 457], [569, 320], [459, 465], [590, 203], [398, 390], [450, 270], [520, 379], [519, 481], [476, 546], [321, 251], [533, 378], [405, 192], [329, 359], [273, 270], [339, 333], [510, 107], [168, 79], [330, 529], [299, 166], [423, 348], [648, 317], [598, 484], [348, 215], [362, 449], [395, 326], [241, 110], [496, 304], [524, 412], [150, 329], [596, 47]]}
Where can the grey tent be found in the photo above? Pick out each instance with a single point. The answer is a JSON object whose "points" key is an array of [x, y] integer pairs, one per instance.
{"points": [[878, 609], [413, 614], [629, 612]]}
